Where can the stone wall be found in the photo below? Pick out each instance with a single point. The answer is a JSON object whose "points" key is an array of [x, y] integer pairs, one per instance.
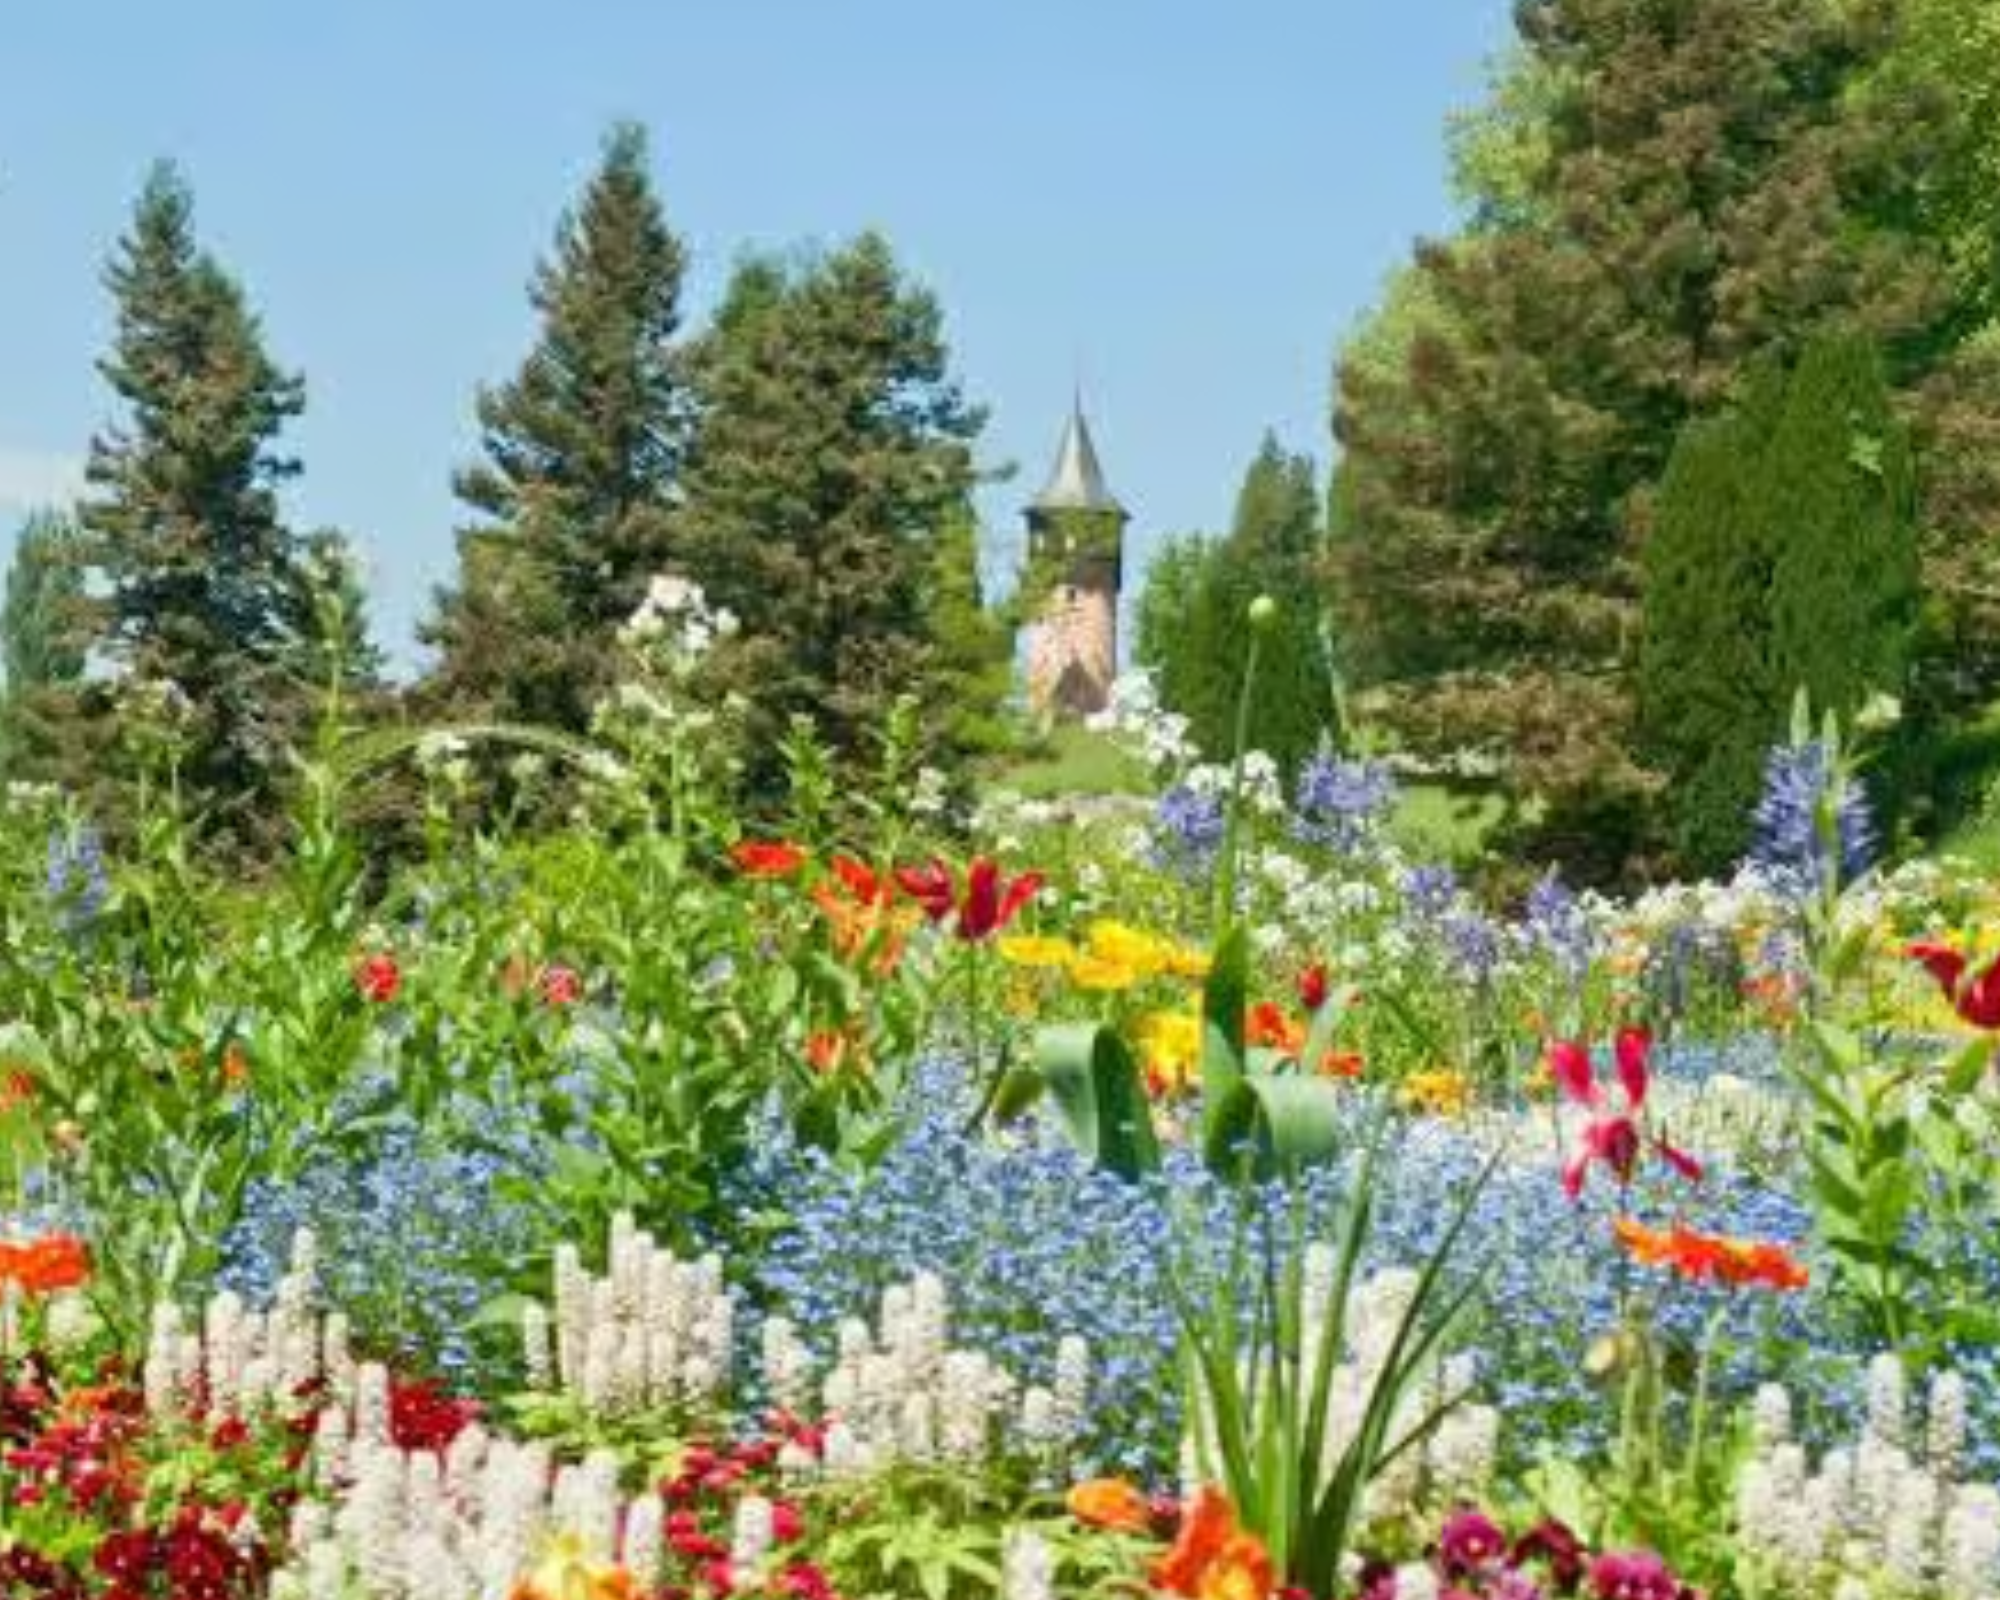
{"points": [[1073, 652]]}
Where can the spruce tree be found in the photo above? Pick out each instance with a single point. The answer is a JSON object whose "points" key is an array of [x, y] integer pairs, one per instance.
{"points": [[580, 454], [971, 671], [199, 571], [832, 454], [42, 629]]}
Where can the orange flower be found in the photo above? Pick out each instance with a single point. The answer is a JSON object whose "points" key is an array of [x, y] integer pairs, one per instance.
{"points": [[41, 1266], [1269, 1028], [1214, 1558], [1341, 1064], [1110, 1503], [1711, 1257], [757, 858], [16, 1088], [567, 1572], [235, 1062], [860, 914]]}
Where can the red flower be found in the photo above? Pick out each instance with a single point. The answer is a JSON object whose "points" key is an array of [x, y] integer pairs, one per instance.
{"points": [[1712, 1257], [1975, 998], [41, 1266], [987, 905], [1615, 1140], [561, 986], [423, 1417], [757, 858], [1313, 986], [378, 977]]}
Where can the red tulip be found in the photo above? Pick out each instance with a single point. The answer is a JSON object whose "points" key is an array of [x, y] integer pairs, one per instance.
{"points": [[1975, 998], [378, 977], [987, 904], [1313, 986], [757, 858]]}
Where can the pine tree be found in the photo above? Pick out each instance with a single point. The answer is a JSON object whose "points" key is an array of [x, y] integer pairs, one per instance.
{"points": [[182, 520], [581, 453], [1709, 706], [832, 454]]}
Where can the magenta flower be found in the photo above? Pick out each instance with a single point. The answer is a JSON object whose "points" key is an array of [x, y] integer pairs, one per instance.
{"points": [[1469, 1544], [1614, 1138], [1635, 1575]]}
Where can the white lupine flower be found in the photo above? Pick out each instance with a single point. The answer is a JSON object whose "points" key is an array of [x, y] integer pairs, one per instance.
{"points": [[1027, 1568], [645, 1540], [1970, 1546], [1909, 1536], [1944, 1427], [371, 1403], [1071, 1389], [326, 1571], [1040, 1427], [1416, 1581], [753, 1534], [1887, 1421], [535, 1345], [916, 1427]]}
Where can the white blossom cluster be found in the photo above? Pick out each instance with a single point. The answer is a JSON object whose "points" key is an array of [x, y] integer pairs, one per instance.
{"points": [[653, 1330], [1452, 1465], [676, 614], [901, 1393], [231, 1360], [1893, 1504], [462, 1524], [1133, 716]]}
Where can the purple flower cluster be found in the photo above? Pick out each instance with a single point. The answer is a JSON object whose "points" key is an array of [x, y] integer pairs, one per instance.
{"points": [[1786, 845], [1338, 804]]}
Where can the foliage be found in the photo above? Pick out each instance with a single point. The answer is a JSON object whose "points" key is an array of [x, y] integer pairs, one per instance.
{"points": [[581, 452], [1707, 192], [832, 456], [200, 575]]}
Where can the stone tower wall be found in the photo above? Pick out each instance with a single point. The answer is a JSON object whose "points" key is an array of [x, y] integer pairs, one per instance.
{"points": [[1073, 650]]}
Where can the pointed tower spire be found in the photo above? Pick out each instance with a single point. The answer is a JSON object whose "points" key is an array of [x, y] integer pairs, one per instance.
{"points": [[1077, 481]]}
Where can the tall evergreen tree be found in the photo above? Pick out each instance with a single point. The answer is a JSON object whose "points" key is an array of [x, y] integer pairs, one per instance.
{"points": [[1706, 187], [182, 519], [581, 452], [1274, 548], [1708, 703], [972, 665], [42, 629], [833, 453], [1837, 485]]}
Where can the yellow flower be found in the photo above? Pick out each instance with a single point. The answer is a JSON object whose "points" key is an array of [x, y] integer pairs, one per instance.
{"points": [[1036, 950], [1127, 946], [1441, 1092], [1184, 961], [566, 1572], [1169, 1047], [1095, 972]]}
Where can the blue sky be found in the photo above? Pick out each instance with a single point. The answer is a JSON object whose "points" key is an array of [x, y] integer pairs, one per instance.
{"points": [[1180, 202]]}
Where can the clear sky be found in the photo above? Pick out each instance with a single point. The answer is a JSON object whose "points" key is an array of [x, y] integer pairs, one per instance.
{"points": [[1183, 203]]}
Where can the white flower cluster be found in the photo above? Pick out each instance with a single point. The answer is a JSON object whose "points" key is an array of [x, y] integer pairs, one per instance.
{"points": [[676, 614], [654, 1330], [463, 1524], [233, 1360], [1453, 1464], [1894, 1503], [901, 1392], [1132, 715]]}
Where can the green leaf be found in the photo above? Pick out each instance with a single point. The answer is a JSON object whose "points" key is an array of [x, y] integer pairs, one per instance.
{"points": [[1225, 998], [1100, 1099], [1963, 1075]]}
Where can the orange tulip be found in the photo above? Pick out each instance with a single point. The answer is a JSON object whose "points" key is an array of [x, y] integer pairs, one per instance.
{"points": [[1110, 1503]]}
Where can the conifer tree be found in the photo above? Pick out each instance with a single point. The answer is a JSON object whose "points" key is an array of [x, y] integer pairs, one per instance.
{"points": [[1274, 548], [1837, 488], [199, 571], [1698, 185], [43, 627], [1708, 704], [580, 454], [972, 667], [832, 455]]}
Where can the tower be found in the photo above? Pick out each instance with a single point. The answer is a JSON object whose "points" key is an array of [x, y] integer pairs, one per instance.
{"points": [[1076, 534]]}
